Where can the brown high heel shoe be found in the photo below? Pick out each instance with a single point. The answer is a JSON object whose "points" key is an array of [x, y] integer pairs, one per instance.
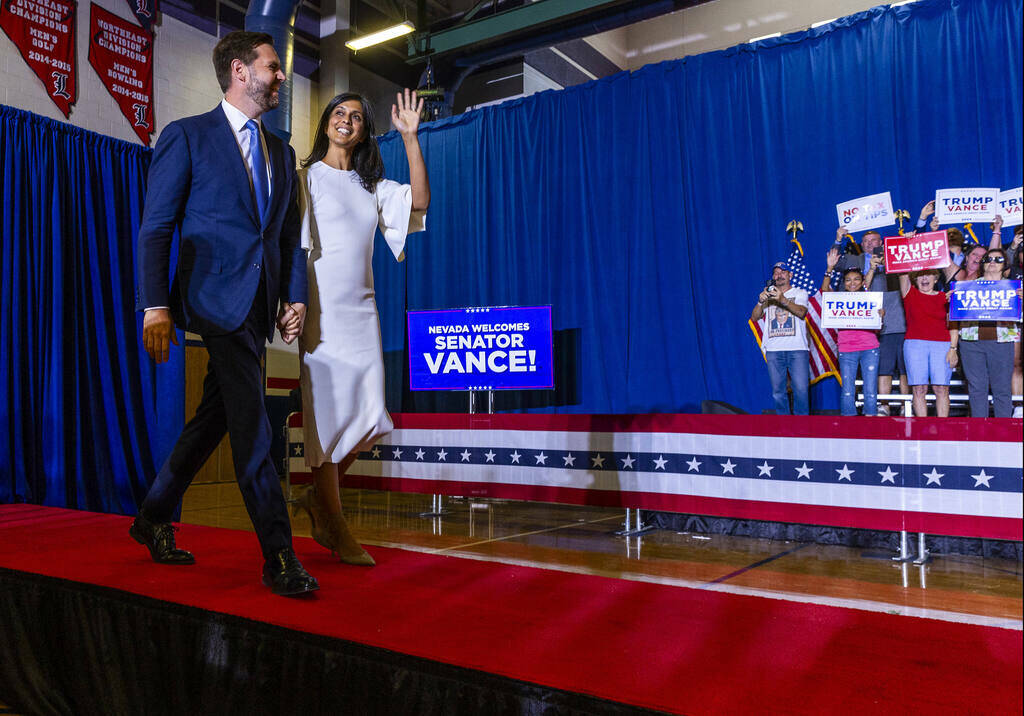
{"points": [[344, 545], [332, 535]]}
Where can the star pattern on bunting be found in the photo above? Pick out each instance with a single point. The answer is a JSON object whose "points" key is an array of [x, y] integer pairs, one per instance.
{"points": [[982, 479], [794, 470]]}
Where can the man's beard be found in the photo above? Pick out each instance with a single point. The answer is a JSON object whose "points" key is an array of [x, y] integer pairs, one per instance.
{"points": [[262, 94]]}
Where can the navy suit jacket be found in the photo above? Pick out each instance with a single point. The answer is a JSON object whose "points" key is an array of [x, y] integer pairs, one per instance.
{"points": [[198, 184]]}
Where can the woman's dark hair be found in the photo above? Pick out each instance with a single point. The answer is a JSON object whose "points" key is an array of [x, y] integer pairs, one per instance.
{"points": [[366, 157], [855, 270], [972, 248], [914, 275]]}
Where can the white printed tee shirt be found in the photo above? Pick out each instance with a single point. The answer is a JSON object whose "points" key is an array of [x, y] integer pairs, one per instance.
{"points": [[782, 330]]}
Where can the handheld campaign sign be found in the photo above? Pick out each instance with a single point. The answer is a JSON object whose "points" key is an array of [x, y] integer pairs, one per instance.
{"points": [[868, 212], [985, 301], [490, 348], [1010, 206], [851, 310], [914, 253], [958, 206]]}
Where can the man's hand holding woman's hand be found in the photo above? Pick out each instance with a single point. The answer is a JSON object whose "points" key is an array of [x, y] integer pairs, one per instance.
{"points": [[290, 319]]}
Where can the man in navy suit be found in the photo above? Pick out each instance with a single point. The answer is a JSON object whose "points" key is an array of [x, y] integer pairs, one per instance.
{"points": [[230, 189]]}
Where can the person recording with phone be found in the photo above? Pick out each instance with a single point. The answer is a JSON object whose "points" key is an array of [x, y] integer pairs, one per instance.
{"points": [[784, 340]]}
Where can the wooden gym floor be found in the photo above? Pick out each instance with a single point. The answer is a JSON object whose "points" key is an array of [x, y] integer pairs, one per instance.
{"points": [[583, 539]]}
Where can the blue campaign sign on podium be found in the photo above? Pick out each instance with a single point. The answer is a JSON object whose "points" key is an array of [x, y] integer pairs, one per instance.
{"points": [[485, 348]]}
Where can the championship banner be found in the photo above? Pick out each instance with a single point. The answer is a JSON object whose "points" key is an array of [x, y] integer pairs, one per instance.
{"points": [[144, 11], [481, 349], [868, 212], [1010, 205], [122, 55], [914, 253], [985, 301], [958, 206], [840, 309], [44, 33]]}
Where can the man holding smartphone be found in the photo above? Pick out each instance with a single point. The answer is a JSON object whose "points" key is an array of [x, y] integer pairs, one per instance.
{"points": [[784, 339], [894, 324]]}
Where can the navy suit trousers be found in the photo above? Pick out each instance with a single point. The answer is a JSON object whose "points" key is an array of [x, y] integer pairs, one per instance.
{"points": [[232, 402]]}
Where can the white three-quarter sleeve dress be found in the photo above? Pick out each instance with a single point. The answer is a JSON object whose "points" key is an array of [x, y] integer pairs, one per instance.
{"points": [[341, 364]]}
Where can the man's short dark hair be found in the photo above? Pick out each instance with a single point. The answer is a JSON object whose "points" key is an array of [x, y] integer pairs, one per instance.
{"points": [[240, 45]]}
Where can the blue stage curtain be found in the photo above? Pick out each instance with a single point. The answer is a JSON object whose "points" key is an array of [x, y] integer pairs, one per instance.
{"points": [[646, 207], [84, 416]]}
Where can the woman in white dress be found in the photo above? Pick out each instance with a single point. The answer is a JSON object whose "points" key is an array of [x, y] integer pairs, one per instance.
{"points": [[345, 199]]}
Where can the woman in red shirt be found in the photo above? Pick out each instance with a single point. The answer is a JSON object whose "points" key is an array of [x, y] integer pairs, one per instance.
{"points": [[930, 346]]}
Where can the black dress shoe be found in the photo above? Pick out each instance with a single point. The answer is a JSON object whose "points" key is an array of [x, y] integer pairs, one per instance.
{"points": [[286, 576], [159, 539]]}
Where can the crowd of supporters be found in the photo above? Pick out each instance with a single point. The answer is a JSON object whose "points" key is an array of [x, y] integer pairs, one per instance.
{"points": [[917, 343]]}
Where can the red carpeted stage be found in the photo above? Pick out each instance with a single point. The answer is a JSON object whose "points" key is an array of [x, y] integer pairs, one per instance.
{"points": [[89, 624]]}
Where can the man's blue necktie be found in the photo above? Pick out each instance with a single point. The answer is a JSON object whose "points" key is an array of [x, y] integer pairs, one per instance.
{"points": [[258, 165]]}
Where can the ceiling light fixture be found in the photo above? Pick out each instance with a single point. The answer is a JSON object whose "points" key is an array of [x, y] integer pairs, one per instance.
{"points": [[375, 38]]}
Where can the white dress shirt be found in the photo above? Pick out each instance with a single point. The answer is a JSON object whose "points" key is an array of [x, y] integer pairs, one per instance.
{"points": [[237, 119]]}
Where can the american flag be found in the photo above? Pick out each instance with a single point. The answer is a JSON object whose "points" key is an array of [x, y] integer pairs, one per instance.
{"points": [[823, 349]]}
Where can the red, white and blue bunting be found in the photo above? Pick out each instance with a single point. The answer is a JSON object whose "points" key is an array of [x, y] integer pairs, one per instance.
{"points": [[941, 476]]}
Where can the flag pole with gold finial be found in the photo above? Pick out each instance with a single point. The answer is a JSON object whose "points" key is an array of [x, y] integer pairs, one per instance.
{"points": [[902, 214], [795, 227]]}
